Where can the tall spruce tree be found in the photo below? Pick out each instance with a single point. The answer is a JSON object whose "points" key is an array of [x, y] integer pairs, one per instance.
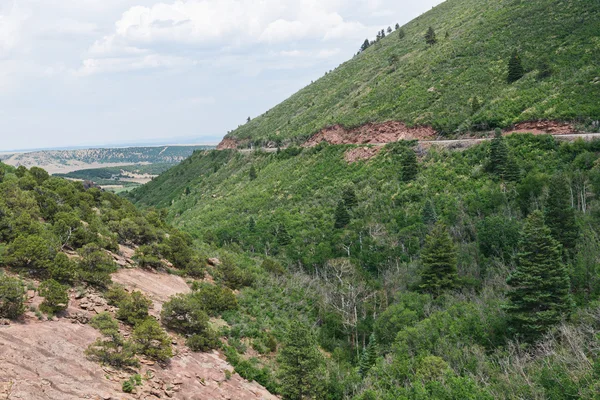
{"points": [[301, 365], [428, 214], [559, 215], [501, 163], [430, 37], [368, 356], [409, 165], [439, 261], [365, 45], [342, 218], [539, 295], [515, 68], [349, 197], [401, 33]]}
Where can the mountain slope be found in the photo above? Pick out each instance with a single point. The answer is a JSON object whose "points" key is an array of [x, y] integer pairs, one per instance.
{"points": [[406, 80]]}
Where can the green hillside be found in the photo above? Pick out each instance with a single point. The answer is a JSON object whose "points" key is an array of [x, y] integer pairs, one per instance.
{"points": [[361, 239], [407, 80]]}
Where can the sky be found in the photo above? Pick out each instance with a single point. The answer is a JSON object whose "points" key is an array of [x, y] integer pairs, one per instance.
{"points": [[109, 72]]}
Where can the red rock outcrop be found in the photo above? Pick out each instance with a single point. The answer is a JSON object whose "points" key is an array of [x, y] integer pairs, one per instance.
{"points": [[386, 132], [543, 127]]}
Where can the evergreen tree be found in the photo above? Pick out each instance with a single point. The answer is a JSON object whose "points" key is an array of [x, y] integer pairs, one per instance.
{"points": [[252, 173], [283, 237], [559, 215], [342, 218], [475, 105], [382, 33], [397, 26], [349, 198], [251, 225], [401, 34], [301, 371], [515, 68], [55, 296], [501, 163], [430, 37], [539, 295], [364, 46], [544, 70], [389, 29], [369, 356], [428, 214], [409, 165], [439, 261]]}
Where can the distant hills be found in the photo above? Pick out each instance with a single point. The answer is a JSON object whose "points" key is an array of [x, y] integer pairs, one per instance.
{"points": [[459, 84], [65, 161]]}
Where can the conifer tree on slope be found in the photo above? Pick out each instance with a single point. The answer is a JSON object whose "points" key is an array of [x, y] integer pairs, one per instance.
{"points": [[369, 356], [500, 162], [515, 68], [342, 218], [439, 261], [409, 165], [430, 37], [559, 215], [539, 295], [301, 364]]}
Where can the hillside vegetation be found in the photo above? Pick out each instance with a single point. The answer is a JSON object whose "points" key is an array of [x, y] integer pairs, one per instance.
{"points": [[408, 266], [460, 83]]}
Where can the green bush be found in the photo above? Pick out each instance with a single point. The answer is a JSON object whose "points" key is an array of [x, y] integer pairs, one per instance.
{"points": [[151, 340], [133, 309], [55, 297], [12, 297]]}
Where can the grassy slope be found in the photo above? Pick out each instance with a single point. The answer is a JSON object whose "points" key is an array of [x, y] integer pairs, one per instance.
{"points": [[471, 61]]}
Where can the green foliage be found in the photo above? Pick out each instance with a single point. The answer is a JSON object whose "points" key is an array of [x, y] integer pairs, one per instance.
{"points": [[559, 215], [151, 340], [233, 276], [349, 198], [252, 174], [128, 386], [501, 163], [301, 365], [515, 68], [133, 309], [32, 252], [439, 262], [430, 37], [540, 288], [112, 349], [214, 299], [12, 297], [369, 356], [55, 297], [62, 269], [95, 266], [149, 256], [341, 215]]}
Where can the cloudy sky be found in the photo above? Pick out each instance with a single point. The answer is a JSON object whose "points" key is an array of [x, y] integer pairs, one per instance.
{"points": [[93, 72]]}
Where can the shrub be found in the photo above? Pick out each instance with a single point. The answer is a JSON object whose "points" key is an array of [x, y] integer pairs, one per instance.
{"points": [[12, 297], [55, 297], [151, 340], [204, 342], [134, 308], [214, 299]]}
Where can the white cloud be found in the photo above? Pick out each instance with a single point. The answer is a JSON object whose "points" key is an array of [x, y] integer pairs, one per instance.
{"points": [[93, 66], [11, 25]]}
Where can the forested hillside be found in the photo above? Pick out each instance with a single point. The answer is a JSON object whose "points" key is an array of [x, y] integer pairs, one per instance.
{"points": [[458, 79], [418, 273]]}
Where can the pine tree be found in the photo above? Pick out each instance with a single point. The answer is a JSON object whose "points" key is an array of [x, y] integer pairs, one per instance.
{"points": [[251, 225], [501, 163], [428, 214], [365, 45], [397, 26], [439, 261], [515, 68], [301, 370], [559, 215], [349, 198], [539, 295], [382, 33], [430, 37], [369, 356], [342, 218], [252, 173], [389, 29], [475, 105], [283, 237], [401, 34], [409, 165]]}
